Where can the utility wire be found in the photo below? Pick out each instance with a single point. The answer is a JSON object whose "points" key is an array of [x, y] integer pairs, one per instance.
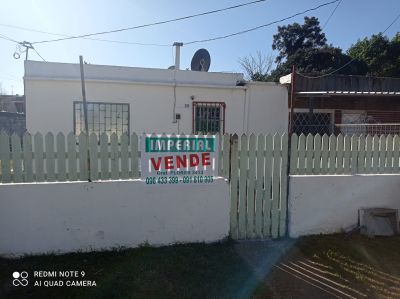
{"points": [[390, 25], [8, 38], [87, 38], [152, 24], [261, 26], [330, 16], [39, 54], [350, 61]]}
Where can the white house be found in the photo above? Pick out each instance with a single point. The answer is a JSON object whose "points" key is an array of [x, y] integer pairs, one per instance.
{"points": [[150, 100]]}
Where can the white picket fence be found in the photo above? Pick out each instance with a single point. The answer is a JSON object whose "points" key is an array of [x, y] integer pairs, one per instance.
{"points": [[256, 166], [65, 158], [77, 158], [259, 186], [316, 155]]}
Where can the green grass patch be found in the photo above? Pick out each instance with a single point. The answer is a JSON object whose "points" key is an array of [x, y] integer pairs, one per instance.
{"points": [[180, 271], [222, 270]]}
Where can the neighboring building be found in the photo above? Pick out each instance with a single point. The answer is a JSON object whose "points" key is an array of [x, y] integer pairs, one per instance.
{"points": [[130, 99], [345, 104], [12, 114]]}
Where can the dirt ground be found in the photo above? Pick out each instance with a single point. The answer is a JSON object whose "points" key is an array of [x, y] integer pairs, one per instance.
{"points": [[336, 266]]}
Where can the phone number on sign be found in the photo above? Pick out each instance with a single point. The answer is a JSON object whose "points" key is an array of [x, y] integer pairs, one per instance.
{"points": [[196, 179]]}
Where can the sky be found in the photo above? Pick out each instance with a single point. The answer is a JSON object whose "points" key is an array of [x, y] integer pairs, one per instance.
{"points": [[353, 19]]}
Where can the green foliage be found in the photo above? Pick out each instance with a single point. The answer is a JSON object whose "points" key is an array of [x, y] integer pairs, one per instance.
{"points": [[319, 61], [305, 46], [381, 55], [292, 38]]}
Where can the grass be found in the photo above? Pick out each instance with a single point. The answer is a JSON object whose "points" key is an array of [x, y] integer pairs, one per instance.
{"points": [[181, 271], [223, 270]]}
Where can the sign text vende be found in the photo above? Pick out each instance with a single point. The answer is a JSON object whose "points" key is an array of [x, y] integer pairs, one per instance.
{"points": [[179, 158]]}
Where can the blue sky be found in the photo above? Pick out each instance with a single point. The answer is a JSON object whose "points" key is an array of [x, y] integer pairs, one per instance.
{"points": [[353, 19]]}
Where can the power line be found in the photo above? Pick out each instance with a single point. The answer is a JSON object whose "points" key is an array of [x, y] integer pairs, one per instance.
{"points": [[39, 54], [87, 38], [330, 16], [151, 24], [261, 26], [8, 38], [350, 61], [390, 25]]}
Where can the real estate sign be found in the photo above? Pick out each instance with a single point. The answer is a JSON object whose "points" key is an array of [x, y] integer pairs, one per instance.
{"points": [[179, 159]]}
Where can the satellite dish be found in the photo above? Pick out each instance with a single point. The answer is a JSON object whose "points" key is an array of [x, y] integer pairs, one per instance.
{"points": [[201, 61]]}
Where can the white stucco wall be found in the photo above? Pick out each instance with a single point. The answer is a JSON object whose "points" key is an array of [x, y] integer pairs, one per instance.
{"points": [[267, 109], [51, 89], [64, 217], [329, 203]]}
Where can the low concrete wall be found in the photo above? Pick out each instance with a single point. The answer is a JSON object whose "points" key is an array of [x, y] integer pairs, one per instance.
{"points": [[325, 204], [65, 217]]}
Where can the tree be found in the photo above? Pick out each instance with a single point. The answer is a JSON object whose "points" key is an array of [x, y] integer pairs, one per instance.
{"points": [[381, 55], [319, 61], [294, 37], [306, 47], [258, 67]]}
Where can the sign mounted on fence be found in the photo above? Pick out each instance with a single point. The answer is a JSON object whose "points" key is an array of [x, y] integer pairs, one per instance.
{"points": [[179, 159]]}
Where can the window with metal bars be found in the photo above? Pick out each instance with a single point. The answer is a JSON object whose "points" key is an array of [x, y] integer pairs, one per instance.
{"points": [[102, 118], [208, 117]]}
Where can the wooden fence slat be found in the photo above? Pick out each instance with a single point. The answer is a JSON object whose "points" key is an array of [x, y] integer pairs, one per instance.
{"points": [[50, 157], [361, 155], [368, 154], [375, 156], [61, 161], [283, 186], [325, 154], [382, 153], [317, 154], [332, 154], [83, 157], [72, 168], [340, 154], [396, 154], [267, 196], [354, 153], [226, 154], [114, 157], [94, 158], [125, 156], [28, 157], [5, 157], [302, 154], [275, 186], [134, 155], [234, 188], [104, 165], [16, 158], [38, 158], [294, 154], [250, 187], [243, 168], [347, 154], [309, 154], [259, 186], [389, 154]]}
